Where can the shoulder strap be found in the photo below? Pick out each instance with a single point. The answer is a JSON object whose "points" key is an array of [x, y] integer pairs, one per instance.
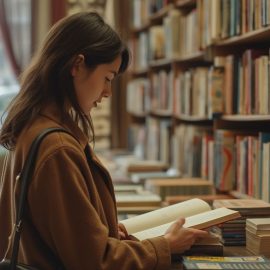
{"points": [[25, 178]]}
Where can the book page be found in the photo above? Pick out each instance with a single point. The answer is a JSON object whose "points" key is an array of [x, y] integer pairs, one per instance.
{"points": [[165, 215], [210, 218], [199, 221]]}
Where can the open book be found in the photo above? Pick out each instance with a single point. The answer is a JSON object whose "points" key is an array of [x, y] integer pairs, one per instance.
{"points": [[197, 212]]}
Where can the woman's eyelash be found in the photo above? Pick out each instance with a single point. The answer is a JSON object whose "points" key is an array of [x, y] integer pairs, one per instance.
{"points": [[107, 79]]}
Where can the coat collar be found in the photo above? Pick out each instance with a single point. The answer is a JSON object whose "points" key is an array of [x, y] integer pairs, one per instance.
{"points": [[52, 111]]}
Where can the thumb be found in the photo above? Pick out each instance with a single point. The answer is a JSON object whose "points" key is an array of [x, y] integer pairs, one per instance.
{"points": [[178, 224], [181, 221]]}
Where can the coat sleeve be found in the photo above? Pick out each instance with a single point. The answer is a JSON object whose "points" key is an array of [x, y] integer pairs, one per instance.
{"points": [[62, 212]]}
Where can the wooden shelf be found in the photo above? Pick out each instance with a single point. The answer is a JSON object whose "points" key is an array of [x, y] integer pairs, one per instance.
{"points": [[185, 3], [260, 35], [139, 72], [138, 114], [161, 13], [194, 57], [238, 117], [160, 63], [191, 118], [189, 59], [236, 194], [161, 113]]}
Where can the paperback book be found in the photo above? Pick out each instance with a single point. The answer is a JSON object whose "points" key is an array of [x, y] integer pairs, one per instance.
{"points": [[197, 213]]}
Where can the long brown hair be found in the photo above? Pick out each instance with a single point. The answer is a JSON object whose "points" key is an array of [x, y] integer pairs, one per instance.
{"points": [[48, 76]]}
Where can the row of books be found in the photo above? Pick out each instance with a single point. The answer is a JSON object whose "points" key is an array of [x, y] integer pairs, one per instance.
{"points": [[232, 160], [240, 85], [151, 140], [199, 92], [221, 19], [154, 94], [141, 10], [140, 49], [196, 92], [242, 162], [138, 96], [140, 13], [246, 82], [218, 19], [158, 139], [191, 154], [136, 140], [175, 37]]}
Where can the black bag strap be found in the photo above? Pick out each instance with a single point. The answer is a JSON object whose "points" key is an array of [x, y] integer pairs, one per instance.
{"points": [[25, 178]]}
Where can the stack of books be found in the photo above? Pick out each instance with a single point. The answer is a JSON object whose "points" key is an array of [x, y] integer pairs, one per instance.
{"points": [[209, 245], [140, 177], [209, 198], [146, 166], [258, 236], [134, 199], [179, 186], [233, 233]]}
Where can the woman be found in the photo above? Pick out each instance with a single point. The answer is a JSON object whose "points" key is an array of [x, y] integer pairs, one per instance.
{"points": [[71, 218]]}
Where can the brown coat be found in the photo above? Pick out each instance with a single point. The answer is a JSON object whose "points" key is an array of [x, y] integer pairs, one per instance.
{"points": [[71, 205]]}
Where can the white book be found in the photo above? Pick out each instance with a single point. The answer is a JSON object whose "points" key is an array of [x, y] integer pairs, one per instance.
{"points": [[197, 212]]}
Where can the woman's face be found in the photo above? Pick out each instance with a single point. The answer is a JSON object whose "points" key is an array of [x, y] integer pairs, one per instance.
{"points": [[92, 85]]}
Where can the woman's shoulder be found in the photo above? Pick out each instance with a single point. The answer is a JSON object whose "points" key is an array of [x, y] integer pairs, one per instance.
{"points": [[52, 142]]}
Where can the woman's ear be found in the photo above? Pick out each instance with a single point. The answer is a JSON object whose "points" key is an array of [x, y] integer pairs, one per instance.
{"points": [[77, 64]]}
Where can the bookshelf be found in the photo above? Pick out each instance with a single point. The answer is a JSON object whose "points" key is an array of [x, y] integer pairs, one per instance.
{"points": [[206, 64]]}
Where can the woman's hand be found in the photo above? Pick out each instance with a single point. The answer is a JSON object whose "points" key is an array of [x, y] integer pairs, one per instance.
{"points": [[181, 239]]}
